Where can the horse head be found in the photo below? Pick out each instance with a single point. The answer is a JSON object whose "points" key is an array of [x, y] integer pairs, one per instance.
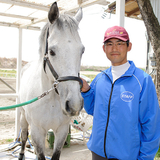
{"points": [[63, 48]]}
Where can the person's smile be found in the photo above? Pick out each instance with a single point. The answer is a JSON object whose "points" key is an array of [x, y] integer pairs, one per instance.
{"points": [[114, 53]]}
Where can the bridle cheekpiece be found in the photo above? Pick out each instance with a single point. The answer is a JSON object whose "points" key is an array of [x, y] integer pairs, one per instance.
{"points": [[54, 73]]}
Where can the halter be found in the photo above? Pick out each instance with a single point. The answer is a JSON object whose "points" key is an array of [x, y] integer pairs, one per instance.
{"points": [[54, 73]]}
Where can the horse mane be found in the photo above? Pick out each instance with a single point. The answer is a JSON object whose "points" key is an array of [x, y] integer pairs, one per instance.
{"points": [[61, 22]]}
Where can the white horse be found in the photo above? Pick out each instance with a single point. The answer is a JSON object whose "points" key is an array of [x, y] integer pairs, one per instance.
{"points": [[59, 61]]}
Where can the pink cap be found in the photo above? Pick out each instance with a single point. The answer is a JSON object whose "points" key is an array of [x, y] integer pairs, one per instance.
{"points": [[116, 32]]}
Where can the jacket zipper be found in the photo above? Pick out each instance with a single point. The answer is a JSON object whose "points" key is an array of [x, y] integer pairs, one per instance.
{"points": [[108, 112], [107, 121]]}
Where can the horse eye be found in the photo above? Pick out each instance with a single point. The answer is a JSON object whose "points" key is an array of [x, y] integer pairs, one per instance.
{"points": [[52, 53]]}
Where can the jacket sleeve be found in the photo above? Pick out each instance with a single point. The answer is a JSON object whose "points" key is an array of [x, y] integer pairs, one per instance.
{"points": [[89, 98], [149, 120]]}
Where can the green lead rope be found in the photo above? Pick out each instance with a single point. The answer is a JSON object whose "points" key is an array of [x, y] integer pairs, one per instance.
{"points": [[28, 102], [19, 105]]}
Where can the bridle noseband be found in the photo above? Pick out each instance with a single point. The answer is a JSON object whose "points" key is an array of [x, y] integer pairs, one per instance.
{"points": [[54, 73]]}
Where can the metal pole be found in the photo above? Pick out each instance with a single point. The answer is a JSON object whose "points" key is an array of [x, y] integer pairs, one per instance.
{"points": [[19, 66], [7, 85], [120, 12]]}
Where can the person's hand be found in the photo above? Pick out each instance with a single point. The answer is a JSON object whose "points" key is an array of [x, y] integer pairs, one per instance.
{"points": [[85, 86]]}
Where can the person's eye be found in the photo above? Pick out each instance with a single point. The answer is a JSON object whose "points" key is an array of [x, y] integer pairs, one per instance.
{"points": [[109, 44], [119, 43]]}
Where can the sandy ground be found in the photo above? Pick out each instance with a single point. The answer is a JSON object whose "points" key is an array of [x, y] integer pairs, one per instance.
{"points": [[7, 117], [77, 150]]}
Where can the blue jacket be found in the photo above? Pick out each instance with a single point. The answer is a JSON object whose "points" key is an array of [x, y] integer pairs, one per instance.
{"points": [[126, 115]]}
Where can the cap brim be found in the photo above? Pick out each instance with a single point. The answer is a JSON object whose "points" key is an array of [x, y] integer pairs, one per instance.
{"points": [[121, 38]]}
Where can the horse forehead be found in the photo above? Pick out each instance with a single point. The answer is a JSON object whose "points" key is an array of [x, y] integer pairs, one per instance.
{"points": [[65, 33], [61, 41], [63, 29], [65, 37]]}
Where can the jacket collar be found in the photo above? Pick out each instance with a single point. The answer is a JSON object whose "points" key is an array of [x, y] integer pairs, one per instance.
{"points": [[129, 72]]}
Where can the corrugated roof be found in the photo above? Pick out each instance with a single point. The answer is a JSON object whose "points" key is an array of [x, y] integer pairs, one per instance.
{"points": [[32, 14]]}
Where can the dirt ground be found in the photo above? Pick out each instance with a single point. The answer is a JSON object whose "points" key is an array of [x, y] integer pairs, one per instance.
{"points": [[7, 117], [77, 150]]}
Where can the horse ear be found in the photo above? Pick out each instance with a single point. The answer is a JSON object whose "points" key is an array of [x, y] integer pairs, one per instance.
{"points": [[53, 13], [79, 15]]}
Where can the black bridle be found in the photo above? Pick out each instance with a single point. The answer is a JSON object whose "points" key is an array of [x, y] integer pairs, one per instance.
{"points": [[54, 73]]}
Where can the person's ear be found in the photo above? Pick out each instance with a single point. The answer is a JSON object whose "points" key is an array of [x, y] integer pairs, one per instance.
{"points": [[103, 47], [130, 46]]}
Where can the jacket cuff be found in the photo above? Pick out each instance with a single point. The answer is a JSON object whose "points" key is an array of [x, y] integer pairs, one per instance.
{"points": [[86, 91]]}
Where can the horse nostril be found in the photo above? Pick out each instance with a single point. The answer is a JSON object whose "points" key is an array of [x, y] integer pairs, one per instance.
{"points": [[71, 110], [67, 106], [82, 104]]}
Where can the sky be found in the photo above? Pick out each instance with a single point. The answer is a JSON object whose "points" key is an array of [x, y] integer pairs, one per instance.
{"points": [[91, 29]]}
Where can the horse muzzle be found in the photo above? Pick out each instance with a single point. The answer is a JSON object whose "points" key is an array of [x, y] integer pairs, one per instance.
{"points": [[73, 110]]}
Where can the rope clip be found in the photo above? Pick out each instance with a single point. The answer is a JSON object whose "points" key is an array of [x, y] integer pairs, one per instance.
{"points": [[55, 84], [43, 95]]}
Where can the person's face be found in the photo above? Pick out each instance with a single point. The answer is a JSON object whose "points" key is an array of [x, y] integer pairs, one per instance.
{"points": [[116, 51]]}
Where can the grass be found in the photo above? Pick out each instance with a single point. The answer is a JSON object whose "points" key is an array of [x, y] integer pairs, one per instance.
{"points": [[8, 71], [90, 76], [6, 141], [92, 68], [7, 75], [158, 154], [83, 68]]}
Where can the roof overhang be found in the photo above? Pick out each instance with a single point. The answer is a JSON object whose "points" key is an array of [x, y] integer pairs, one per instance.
{"points": [[131, 9], [31, 14]]}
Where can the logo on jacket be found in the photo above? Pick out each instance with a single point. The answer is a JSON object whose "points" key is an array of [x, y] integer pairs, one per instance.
{"points": [[127, 96]]}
